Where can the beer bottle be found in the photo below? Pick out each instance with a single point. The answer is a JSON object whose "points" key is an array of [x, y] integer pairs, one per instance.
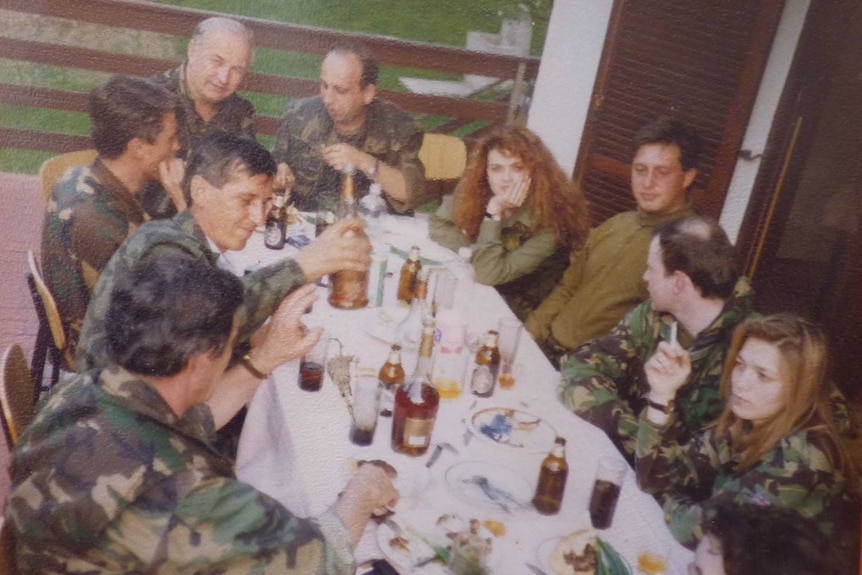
{"points": [[416, 402], [407, 280], [391, 377], [276, 224], [348, 289], [552, 480], [487, 364]]}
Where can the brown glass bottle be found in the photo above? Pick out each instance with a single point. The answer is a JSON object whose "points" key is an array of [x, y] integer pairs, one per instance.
{"points": [[391, 377], [487, 364], [552, 480], [407, 279], [416, 402], [276, 224], [348, 289]]}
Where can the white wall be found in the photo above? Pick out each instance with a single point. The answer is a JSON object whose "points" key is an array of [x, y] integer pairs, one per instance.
{"points": [[570, 61], [763, 113]]}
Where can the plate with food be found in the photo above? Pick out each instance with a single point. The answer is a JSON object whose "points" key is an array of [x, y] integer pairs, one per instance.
{"points": [[490, 485], [581, 553], [420, 541], [512, 428]]}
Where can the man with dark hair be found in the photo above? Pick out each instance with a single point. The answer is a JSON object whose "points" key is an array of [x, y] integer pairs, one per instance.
{"points": [[603, 280], [118, 473], [228, 185], [218, 57], [696, 295], [93, 208], [347, 125]]}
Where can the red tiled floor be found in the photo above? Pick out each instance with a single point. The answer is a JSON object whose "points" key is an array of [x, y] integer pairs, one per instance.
{"points": [[20, 226]]}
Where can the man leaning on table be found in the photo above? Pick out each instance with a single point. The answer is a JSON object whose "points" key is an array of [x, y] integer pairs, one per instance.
{"points": [[117, 474], [347, 124], [693, 283], [603, 280]]}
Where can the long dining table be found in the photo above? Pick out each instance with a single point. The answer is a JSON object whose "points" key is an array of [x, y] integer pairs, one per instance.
{"points": [[295, 444]]}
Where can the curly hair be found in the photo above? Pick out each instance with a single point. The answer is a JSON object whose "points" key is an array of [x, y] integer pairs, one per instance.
{"points": [[555, 203]]}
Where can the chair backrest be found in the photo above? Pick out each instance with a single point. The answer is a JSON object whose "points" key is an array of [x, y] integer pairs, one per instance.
{"points": [[16, 394], [444, 156], [58, 334], [53, 168]]}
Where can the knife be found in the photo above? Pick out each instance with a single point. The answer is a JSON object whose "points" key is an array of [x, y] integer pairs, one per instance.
{"points": [[438, 449], [535, 569]]}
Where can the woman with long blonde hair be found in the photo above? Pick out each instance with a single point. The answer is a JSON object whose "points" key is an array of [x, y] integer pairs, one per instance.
{"points": [[519, 212], [774, 444]]}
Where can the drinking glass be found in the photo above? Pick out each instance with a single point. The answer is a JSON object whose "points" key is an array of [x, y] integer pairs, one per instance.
{"points": [[606, 491], [509, 335], [654, 559], [366, 405], [313, 365], [468, 555]]}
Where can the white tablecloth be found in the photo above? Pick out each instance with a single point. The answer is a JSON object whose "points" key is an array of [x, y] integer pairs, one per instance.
{"points": [[295, 446]]}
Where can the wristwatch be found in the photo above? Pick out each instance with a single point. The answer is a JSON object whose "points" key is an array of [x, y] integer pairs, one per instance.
{"points": [[667, 408], [249, 366]]}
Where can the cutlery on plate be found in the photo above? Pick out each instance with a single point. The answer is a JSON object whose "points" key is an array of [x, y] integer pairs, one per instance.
{"points": [[535, 569], [438, 449], [493, 492]]}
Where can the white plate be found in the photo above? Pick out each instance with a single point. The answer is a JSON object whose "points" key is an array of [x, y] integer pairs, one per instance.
{"points": [[545, 548], [460, 476], [512, 428], [380, 322], [420, 529]]}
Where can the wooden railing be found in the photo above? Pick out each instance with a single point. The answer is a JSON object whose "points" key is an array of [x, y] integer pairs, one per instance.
{"points": [[160, 18]]}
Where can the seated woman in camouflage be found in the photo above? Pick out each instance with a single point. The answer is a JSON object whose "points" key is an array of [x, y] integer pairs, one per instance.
{"points": [[519, 212], [774, 443]]}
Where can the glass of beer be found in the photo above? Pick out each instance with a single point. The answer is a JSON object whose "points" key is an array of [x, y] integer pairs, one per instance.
{"points": [[313, 364], [509, 336], [606, 491], [366, 405]]}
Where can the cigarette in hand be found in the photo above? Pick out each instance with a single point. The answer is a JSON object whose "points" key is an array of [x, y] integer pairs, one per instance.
{"points": [[673, 333]]}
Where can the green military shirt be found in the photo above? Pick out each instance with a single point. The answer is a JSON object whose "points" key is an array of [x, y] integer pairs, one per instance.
{"points": [[264, 288], [107, 479], [523, 264], [798, 473], [89, 215], [604, 381], [390, 135], [603, 282]]}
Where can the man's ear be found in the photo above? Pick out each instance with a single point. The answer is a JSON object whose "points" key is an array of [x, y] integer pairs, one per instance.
{"points": [[368, 93], [198, 189], [688, 177], [681, 282]]}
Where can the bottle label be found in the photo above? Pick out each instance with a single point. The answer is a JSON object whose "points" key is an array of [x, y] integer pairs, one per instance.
{"points": [[417, 432], [450, 337], [274, 234], [482, 380], [387, 398]]}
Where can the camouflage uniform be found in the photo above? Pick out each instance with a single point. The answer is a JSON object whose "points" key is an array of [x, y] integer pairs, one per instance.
{"points": [[390, 135], [602, 283], [796, 474], [89, 215], [107, 479], [264, 288], [235, 114], [524, 265], [604, 381]]}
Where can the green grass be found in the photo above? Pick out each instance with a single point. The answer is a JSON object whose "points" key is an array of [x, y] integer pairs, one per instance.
{"points": [[433, 21]]}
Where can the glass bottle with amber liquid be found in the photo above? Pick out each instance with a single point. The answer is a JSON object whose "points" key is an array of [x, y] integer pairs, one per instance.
{"points": [[416, 402], [407, 279], [276, 224], [552, 480], [348, 289], [486, 366], [391, 378]]}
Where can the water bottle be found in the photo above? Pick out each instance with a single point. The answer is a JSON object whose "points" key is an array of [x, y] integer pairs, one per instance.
{"points": [[372, 208]]}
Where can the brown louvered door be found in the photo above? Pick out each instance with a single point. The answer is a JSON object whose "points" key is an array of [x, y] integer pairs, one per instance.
{"points": [[698, 60]]}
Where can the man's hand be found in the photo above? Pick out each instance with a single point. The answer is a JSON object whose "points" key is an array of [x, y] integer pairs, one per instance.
{"points": [[284, 179], [504, 204], [171, 174], [334, 250], [285, 337], [667, 370], [369, 488], [341, 155]]}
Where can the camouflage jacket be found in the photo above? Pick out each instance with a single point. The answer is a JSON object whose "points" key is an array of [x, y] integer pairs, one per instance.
{"points": [[390, 135], [797, 474], [235, 114], [524, 265], [603, 282], [107, 479], [264, 288], [89, 215], [604, 381]]}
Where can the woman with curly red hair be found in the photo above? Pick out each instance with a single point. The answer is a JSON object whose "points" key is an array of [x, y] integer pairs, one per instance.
{"points": [[519, 212]]}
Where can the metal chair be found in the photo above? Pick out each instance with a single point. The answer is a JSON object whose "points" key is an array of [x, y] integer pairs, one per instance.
{"points": [[51, 337], [16, 394], [53, 168]]}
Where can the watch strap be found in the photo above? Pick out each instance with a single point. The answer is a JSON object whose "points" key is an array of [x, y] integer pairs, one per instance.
{"points": [[667, 408], [249, 366]]}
